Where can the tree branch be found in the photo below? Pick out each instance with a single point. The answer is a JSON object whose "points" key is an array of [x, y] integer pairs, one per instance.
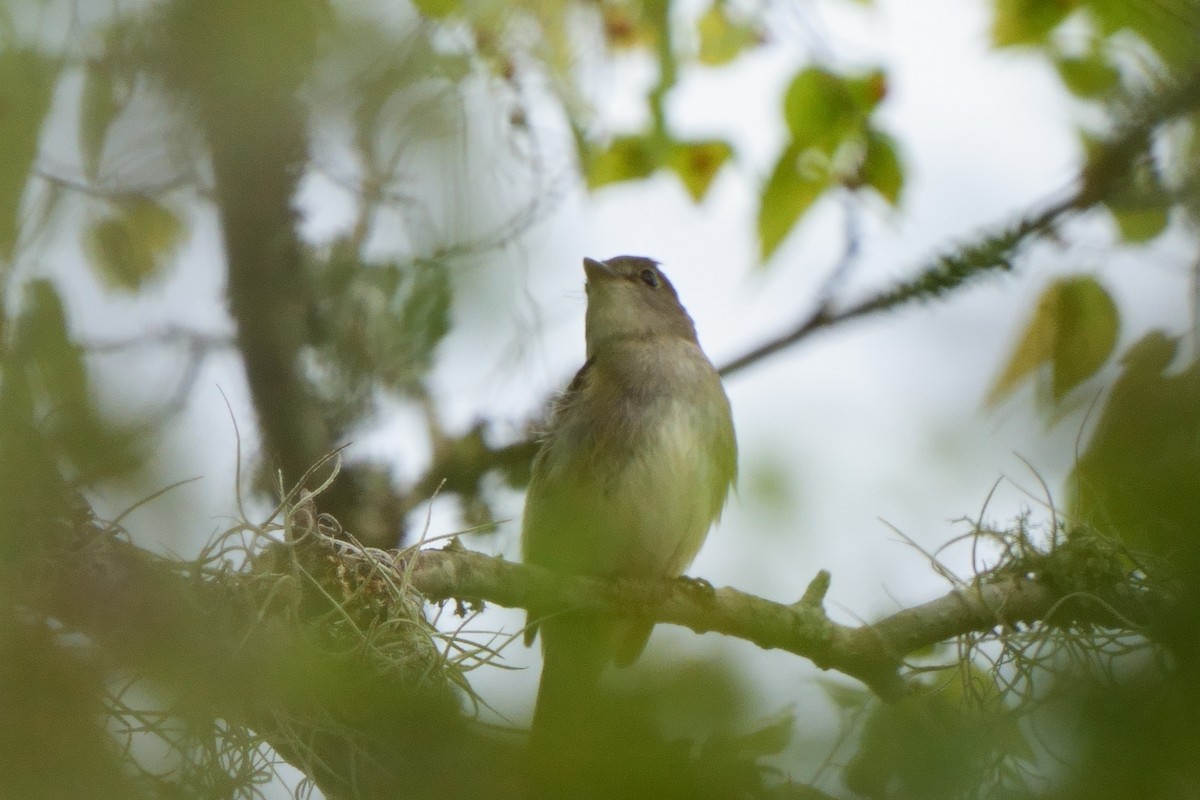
{"points": [[256, 128], [241, 647], [1107, 169], [873, 653], [289, 644], [948, 272]]}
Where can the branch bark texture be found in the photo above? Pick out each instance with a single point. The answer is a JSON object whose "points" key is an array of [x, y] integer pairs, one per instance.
{"points": [[872, 653]]}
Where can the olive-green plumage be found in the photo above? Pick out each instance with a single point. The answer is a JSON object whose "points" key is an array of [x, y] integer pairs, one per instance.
{"points": [[636, 464]]}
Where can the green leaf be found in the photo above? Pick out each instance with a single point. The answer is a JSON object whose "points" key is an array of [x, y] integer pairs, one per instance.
{"points": [[55, 377], [27, 81], [1141, 224], [697, 164], [798, 180], [847, 697], [134, 244], [425, 313], [1169, 30], [822, 108], [1089, 77], [721, 39], [1027, 22], [1139, 202], [1074, 328], [1087, 332], [926, 745], [768, 740], [377, 324], [1135, 480], [868, 90], [632, 25], [881, 168], [627, 158], [56, 363]]}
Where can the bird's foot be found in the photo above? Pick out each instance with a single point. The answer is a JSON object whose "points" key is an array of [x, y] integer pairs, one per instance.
{"points": [[697, 586]]}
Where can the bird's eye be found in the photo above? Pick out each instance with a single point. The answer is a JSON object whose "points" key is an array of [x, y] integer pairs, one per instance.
{"points": [[649, 277]]}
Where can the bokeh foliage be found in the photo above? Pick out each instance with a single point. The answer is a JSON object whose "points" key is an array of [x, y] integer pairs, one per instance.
{"points": [[184, 110], [1130, 732]]}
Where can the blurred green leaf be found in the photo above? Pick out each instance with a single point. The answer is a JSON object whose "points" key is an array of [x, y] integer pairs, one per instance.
{"points": [[1074, 328], [697, 164], [881, 168], [425, 313], [1133, 191], [966, 685], [132, 245], [976, 690], [868, 89], [797, 181], [1027, 22], [1169, 28], [59, 746], [631, 25], [1141, 224], [378, 324], [769, 740], [1089, 76], [626, 158], [822, 108], [27, 80], [55, 362], [1088, 324], [1136, 478], [56, 381], [928, 746], [829, 117], [721, 39], [1133, 734], [847, 697]]}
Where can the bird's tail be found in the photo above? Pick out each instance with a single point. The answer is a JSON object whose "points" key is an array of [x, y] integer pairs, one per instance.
{"points": [[575, 650], [569, 725]]}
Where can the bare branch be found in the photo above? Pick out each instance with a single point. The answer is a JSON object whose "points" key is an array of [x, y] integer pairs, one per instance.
{"points": [[872, 653], [1106, 170]]}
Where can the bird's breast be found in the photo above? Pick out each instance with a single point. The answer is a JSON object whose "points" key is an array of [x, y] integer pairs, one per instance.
{"points": [[636, 468]]}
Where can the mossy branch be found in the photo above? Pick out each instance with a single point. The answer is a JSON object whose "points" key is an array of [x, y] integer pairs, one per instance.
{"points": [[292, 632], [872, 653]]}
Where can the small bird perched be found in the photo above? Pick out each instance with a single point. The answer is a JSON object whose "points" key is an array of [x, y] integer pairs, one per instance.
{"points": [[635, 466]]}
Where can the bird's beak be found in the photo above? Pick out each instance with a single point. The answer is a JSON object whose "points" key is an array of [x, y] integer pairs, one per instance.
{"points": [[597, 271]]}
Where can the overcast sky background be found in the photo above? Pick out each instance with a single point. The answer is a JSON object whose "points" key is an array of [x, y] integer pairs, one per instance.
{"points": [[873, 425]]}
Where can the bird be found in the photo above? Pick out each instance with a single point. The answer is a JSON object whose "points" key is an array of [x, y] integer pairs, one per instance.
{"points": [[636, 462]]}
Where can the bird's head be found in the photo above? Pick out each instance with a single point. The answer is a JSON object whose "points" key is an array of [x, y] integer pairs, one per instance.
{"points": [[630, 298]]}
